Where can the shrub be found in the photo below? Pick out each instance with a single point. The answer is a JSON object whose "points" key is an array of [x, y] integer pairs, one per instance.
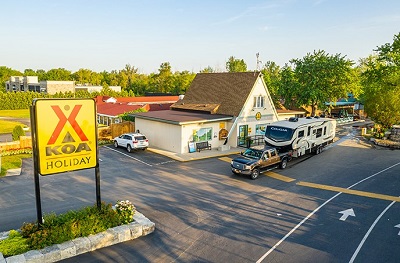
{"points": [[16, 151], [125, 210], [73, 224], [64, 227], [103, 141], [17, 132], [15, 244]]}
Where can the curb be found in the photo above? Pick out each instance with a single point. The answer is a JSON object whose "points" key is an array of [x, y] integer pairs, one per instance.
{"points": [[141, 226]]}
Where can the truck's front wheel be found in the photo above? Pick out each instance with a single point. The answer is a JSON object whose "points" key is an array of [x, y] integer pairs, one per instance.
{"points": [[254, 174], [283, 163]]}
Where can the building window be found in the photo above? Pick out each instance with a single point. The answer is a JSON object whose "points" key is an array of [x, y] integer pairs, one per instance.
{"points": [[203, 134], [260, 129], [259, 102]]}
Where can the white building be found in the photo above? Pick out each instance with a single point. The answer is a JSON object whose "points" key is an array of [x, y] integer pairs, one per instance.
{"points": [[31, 83], [221, 108]]}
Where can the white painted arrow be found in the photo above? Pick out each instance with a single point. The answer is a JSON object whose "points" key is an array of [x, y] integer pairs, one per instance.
{"points": [[398, 226], [346, 214]]}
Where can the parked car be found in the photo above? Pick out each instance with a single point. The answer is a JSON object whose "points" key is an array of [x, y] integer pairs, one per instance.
{"points": [[131, 141]]}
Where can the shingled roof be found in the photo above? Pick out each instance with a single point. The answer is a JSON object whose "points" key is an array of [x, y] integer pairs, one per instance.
{"points": [[218, 93]]}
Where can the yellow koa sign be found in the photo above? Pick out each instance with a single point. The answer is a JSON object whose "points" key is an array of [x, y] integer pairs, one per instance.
{"points": [[66, 134]]}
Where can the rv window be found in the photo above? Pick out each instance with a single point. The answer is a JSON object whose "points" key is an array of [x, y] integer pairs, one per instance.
{"points": [[279, 134], [319, 132], [301, 134], [309, 131], [325, 130]]}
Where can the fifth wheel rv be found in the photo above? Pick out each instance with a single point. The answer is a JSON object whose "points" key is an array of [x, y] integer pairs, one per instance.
{"points": [[299, 136]]}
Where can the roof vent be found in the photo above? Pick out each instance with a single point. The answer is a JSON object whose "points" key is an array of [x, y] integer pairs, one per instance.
{"points": [[308, 117], [293, 119], [317, 117]]}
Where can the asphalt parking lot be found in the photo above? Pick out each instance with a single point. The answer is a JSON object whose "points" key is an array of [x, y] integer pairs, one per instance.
{"points": [[339, 206]]}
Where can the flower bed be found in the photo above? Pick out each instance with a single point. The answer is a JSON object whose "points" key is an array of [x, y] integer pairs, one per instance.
{"points": [[97, 227]]}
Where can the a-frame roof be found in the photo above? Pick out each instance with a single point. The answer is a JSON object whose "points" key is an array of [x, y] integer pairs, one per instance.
{"points": [[218, 93]]}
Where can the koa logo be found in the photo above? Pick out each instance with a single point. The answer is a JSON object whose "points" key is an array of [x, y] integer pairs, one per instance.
{"points": [[67, 146]]}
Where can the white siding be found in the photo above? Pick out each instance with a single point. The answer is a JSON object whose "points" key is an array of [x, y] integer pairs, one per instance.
{"points": [[248, 114], [187, 134], [161, 135]]}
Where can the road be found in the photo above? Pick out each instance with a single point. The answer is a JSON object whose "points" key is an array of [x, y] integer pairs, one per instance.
{"points": [[339, 206]]}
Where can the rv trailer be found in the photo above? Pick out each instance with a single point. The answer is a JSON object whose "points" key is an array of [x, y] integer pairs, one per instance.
{"points": [[300, 135]]}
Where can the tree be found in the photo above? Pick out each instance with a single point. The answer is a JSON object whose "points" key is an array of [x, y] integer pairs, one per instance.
{"points": [[163, 81], [381, 82], [83, 76], [5, 74], [236, 65], [319, 78], [128, 75], [271, 74], [58, 74], [182, 81], [17, 132], [208, 69]]}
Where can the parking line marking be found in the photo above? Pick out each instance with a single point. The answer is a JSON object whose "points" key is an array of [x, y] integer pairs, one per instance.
{"points": [[279, 177], [317, 209], [369, 232], [350, 191], [226, 159], [127, 155]]}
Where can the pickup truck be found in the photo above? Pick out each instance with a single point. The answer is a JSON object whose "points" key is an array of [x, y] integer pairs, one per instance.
{"points": [[258, 159]]}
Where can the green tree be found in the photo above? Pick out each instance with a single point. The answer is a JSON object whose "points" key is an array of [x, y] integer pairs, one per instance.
{"points": [[29, 72], [182, 81], [236, 65], [208, 70], [83, 76], [58, 74], [127, 117], [128, 76], [319, 78], [17, 132], [162, 82], [272, 73], [381, 82], [5, 74]]}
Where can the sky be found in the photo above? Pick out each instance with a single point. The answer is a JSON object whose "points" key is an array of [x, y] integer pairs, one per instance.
{"points": [[106, 35]]}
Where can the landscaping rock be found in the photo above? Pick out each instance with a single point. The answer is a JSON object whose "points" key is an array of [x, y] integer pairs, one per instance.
{"points": [[34, 256], [141, 226], [67, 249], [82, 245], [51, 254], [16, 259]]}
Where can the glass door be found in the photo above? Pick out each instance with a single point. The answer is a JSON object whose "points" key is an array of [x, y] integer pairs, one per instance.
{"points": [[243, 132]]}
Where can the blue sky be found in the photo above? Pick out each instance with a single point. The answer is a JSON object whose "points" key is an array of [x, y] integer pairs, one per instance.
{"points": [[190, 35]]}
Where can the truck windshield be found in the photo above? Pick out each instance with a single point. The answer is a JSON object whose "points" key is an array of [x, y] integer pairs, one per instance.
{"points": [[252, 153], [279, 134]]}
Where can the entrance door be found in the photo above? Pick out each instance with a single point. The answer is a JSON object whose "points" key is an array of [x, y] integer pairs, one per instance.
{"points": [[243, 132]]}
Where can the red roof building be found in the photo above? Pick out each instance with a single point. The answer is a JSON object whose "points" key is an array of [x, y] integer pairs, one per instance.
{"points": [[109, 109]]}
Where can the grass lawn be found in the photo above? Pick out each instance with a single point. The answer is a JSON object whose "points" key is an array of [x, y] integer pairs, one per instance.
{"points": [[8, 126], [15, 113], [12, 162]]}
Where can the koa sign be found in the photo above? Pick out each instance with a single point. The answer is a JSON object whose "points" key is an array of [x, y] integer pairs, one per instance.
{"points": [[66, 134]]}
